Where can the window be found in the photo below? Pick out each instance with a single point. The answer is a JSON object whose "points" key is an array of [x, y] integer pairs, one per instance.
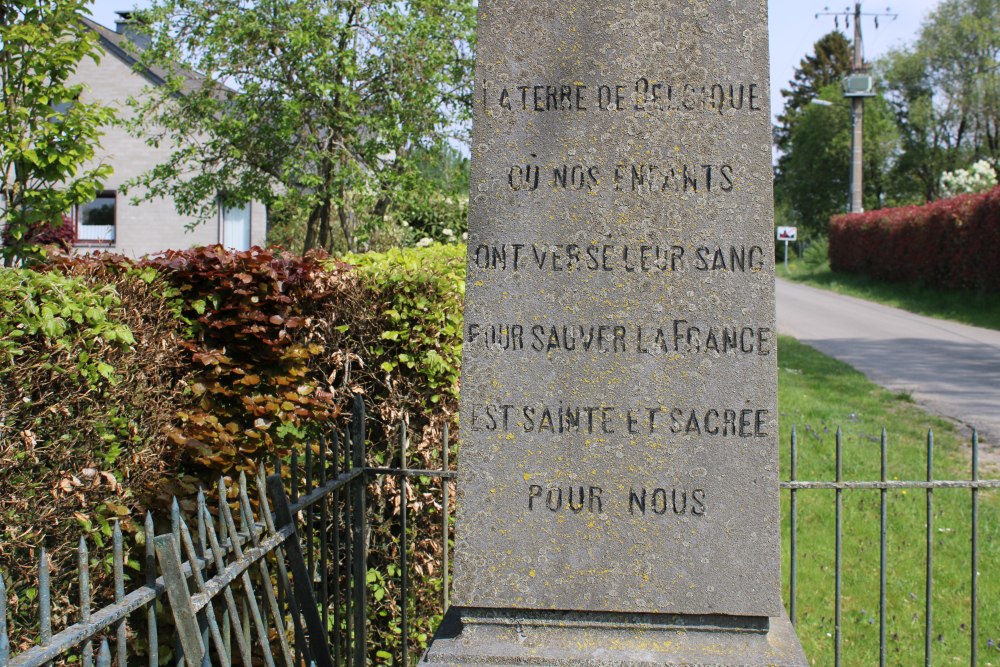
{"points": [[95, 220], [235, 232]]}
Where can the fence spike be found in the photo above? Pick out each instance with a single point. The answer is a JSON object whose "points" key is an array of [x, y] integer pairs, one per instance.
{"points": [[44, 598], [202, 539], [194, 558], [838, 560], [929, 583], [293, 464], [283, 575], [175, 520], [118, 561], [974, 547], [187, 634], [152, 633], [104, 655], [4, 641], [309, 524], [445, 489], [243, 506], [248, 590], [303, 586], [358, 492], [83, 557], [404, 568], [270, 600], [324, 550], [792, 530], [883, 549], [227, 593]]}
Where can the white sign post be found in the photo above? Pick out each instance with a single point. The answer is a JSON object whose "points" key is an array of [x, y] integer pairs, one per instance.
{"points": [[787, 234]]}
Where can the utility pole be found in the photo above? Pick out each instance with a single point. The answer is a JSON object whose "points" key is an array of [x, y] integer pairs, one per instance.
{"points": [[857, 123], [857, 86]]}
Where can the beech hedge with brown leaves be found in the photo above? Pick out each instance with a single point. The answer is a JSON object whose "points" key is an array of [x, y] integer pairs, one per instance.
{"points": [[124, 383]]}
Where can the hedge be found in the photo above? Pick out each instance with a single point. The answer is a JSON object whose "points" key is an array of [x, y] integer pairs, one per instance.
{"points": [[951, 243], [124, 382]]}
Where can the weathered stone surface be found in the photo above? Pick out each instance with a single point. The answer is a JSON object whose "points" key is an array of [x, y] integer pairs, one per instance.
{"points": [[619, 410], [477, 637]]}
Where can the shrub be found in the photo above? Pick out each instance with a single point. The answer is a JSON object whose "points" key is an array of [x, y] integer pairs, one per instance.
{"points": [[408, 333], [125, 382], [949, 243], [253, 342], [980, 177], [42, 236], [88, 383], [817, 254]]}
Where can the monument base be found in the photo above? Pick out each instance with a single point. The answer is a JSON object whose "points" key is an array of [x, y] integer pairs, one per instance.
{"points": [[531, 637]]}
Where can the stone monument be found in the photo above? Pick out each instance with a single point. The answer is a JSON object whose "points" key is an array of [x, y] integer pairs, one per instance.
{"points": [[618, 480]]}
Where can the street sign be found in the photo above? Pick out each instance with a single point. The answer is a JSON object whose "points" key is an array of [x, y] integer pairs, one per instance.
{"points": [[787, 233]]}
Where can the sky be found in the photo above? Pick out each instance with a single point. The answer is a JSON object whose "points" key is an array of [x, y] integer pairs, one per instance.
{"points": [[794, 29]]}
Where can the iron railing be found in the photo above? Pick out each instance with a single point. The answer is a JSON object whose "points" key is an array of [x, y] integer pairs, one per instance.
{"points": [[291, 586], [974, 484], [223, 597]]}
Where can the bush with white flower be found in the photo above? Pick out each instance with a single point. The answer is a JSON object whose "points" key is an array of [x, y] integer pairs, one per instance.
{"points": [[980, 177]]}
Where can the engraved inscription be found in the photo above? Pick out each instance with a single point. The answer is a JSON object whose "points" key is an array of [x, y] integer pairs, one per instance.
{"points": [[640, 178], [590, 499], [678, 337], [643, 95], [609, 257], [611, 420]]}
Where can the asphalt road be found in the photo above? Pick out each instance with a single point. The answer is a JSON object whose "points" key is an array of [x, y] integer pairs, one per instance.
{"points": [[951, 369]]}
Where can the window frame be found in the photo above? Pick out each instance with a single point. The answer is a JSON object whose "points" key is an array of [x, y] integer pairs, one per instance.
{"points": [[78, 223]]}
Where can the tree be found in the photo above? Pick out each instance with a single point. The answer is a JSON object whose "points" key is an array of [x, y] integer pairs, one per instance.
{"points": [[813, 179], [945, 90], [830, 63], [325, 104], [47, 134]]}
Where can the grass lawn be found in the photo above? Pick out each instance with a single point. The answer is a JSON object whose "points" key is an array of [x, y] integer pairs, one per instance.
{"points": [[817, 394], [977, 308]]}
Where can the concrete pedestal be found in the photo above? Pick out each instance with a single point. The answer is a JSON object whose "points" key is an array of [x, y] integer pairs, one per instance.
{"points": [[516, 637]]}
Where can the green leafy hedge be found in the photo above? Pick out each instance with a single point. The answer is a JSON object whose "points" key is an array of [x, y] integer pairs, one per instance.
{"points": [[125, 382], [419, 293]]}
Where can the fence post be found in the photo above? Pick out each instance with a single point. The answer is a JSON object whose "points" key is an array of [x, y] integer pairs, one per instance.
{"points": [[360, 574], [318, 648], [4, 642], [188, 632]]}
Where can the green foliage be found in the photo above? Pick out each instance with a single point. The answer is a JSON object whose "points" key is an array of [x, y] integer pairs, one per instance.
{"points": [[334, 101], [406, 326], [813, 178], [831, 61], [817, 255], [945, 90], [435, 218], [65, 320], [88, 377], [231, 357], [47, 133], [420, 294], [437, 208], [445, 168]]}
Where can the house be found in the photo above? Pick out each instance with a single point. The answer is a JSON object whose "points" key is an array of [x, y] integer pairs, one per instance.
{"points": [[111, 221]]}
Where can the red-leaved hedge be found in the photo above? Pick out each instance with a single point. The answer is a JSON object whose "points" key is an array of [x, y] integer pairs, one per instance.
{"points": [[952, 243]]}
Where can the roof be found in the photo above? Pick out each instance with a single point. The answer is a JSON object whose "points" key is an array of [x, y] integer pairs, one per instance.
{"points": [[120, 46]]}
